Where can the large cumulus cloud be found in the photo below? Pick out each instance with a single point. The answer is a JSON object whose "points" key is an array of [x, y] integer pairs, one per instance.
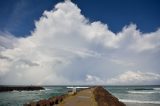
{"points": [[66, 48]]}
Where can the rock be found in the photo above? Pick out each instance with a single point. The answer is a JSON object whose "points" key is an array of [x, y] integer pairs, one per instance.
{"points": [[49, 102], [19, 88], [31, 104], [43, 103], [104, 98]]}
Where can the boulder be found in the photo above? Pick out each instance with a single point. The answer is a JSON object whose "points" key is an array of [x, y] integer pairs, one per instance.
{"points": [[104, 98]]}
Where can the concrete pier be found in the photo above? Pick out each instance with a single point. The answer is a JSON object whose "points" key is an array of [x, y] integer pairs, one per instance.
{"points": [[94, 96]]}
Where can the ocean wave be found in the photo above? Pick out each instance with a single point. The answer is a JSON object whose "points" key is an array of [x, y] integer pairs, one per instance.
{"points": [[143, 92], [143, 89], [15, 91], [78, 87], [156, 88], [138, 101], [47, 89], [22, 91]]}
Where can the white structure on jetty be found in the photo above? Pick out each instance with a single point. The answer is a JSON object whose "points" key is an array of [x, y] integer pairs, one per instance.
{"points": [[74, 89]]}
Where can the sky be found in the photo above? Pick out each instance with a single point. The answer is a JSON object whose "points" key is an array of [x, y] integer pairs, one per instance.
{"points": [[56, 42]]}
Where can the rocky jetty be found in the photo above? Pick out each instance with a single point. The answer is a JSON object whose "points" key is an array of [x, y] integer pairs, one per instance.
{"points": [[47, 102], [20, 88], [94, 96], [104, 98]]}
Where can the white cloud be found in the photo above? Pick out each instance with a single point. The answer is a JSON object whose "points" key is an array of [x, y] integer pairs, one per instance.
{"points": [[66, 48], [90, 79], [137, 77], [149, 41], [7, 41], [123, 62]]}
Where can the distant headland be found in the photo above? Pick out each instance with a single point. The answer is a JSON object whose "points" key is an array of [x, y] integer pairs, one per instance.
{"points": [[20, 88]]}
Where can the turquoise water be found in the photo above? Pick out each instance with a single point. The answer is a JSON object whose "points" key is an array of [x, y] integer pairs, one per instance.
{"points": [[137, 94], [143, 95], [16, 98]]}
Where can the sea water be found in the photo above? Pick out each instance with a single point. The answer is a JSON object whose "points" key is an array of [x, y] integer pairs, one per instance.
{"points": [[137, 95], [130, 95], [18, 98]]}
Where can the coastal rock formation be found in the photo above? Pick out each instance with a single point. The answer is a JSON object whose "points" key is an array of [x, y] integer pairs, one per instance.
{"points": [[19, 88], [94, 96], [104, 98], [49, 102]]}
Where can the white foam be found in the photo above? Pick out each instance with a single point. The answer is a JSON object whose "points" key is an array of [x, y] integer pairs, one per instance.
{"points": [[78, 87], [156, 88], [143, 92], [138, 101], [47, 89]]}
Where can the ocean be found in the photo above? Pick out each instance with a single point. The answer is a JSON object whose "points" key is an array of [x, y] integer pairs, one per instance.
{"points": [[130, 95]]}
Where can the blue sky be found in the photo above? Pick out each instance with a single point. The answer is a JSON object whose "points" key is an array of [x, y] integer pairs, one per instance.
{"points": [[18, 16], [91, 42]]}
